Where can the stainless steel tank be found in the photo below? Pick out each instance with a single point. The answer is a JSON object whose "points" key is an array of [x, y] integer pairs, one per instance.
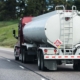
{"points": [[47, 27]]}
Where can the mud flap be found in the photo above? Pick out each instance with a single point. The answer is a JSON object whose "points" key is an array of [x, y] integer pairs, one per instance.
{"points": [[50, 64]]}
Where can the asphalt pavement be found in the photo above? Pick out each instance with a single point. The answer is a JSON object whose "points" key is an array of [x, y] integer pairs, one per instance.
{"points": [[10, 70], [15, 70]]}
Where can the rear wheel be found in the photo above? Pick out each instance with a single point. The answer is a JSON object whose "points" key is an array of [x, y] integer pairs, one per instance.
{"points": [[39, 60], [42, 62], [76, 65], [21, 55], [24, 55], [16, 58]]}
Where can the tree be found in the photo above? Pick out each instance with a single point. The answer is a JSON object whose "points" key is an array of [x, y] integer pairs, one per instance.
{"points": [[66, 3], [20, 7], [69, 4], [2, 10], [77, 4], [10, 7], [7, 9], [36, 7], [54, 3]]}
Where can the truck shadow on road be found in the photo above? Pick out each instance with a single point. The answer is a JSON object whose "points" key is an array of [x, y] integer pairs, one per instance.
{"points": [[63, 69], [33, 66]]}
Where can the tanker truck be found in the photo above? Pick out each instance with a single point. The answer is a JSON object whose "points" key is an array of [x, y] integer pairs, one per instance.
{"points": [[51, 39]]}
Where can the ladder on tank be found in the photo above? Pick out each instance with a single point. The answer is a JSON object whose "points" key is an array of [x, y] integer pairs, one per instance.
{"points": [[66, 30]]}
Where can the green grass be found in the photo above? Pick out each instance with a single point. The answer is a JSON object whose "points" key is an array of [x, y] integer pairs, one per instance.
{"points": [[6, 36]]}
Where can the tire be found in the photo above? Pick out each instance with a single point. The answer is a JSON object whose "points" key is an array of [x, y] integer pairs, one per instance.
{"points": [[21, 55], [24, 55], [75, 67], [39, 60], [16, 58], [42, 62]]}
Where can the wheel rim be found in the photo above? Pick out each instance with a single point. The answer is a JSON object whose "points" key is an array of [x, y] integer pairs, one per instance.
{"points": [[38, 61], [42, 63], [23, 57], [14, 52]]}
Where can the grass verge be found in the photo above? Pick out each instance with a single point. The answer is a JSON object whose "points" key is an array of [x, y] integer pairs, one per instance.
{"points": [[6, 36]]}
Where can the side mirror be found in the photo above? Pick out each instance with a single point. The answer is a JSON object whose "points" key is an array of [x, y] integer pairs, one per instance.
{"points": [[14, 34]]}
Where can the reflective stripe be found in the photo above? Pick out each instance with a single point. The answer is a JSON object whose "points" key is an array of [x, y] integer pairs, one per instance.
{"points": [[61, 56]]}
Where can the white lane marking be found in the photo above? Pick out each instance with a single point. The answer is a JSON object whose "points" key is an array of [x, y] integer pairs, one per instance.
{"points": [[21, 67], [43, 79], [8, 60]]}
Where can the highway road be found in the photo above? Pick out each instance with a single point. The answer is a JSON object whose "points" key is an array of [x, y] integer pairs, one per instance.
{"points": [[15, 70]]}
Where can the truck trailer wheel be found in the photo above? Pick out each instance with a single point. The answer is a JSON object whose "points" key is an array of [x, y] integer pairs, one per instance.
{"points": [[21, 55], [16, 58], [76, 65], [42, 62], [24, 55], [39, 60]]}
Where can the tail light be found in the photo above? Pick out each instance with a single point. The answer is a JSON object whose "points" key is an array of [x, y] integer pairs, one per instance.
{"points": [[55, 50], [68, 11], [45, 50]]}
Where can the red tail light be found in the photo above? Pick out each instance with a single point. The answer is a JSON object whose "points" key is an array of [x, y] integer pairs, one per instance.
{"points": [[68, 11], [55, 50], [45, 50]]}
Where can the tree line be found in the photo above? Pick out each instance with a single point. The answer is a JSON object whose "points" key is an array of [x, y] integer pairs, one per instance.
{"points": [[13, 9]]}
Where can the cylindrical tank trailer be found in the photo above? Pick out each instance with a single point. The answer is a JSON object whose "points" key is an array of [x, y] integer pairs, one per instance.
{"points": [[47, 27]]}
